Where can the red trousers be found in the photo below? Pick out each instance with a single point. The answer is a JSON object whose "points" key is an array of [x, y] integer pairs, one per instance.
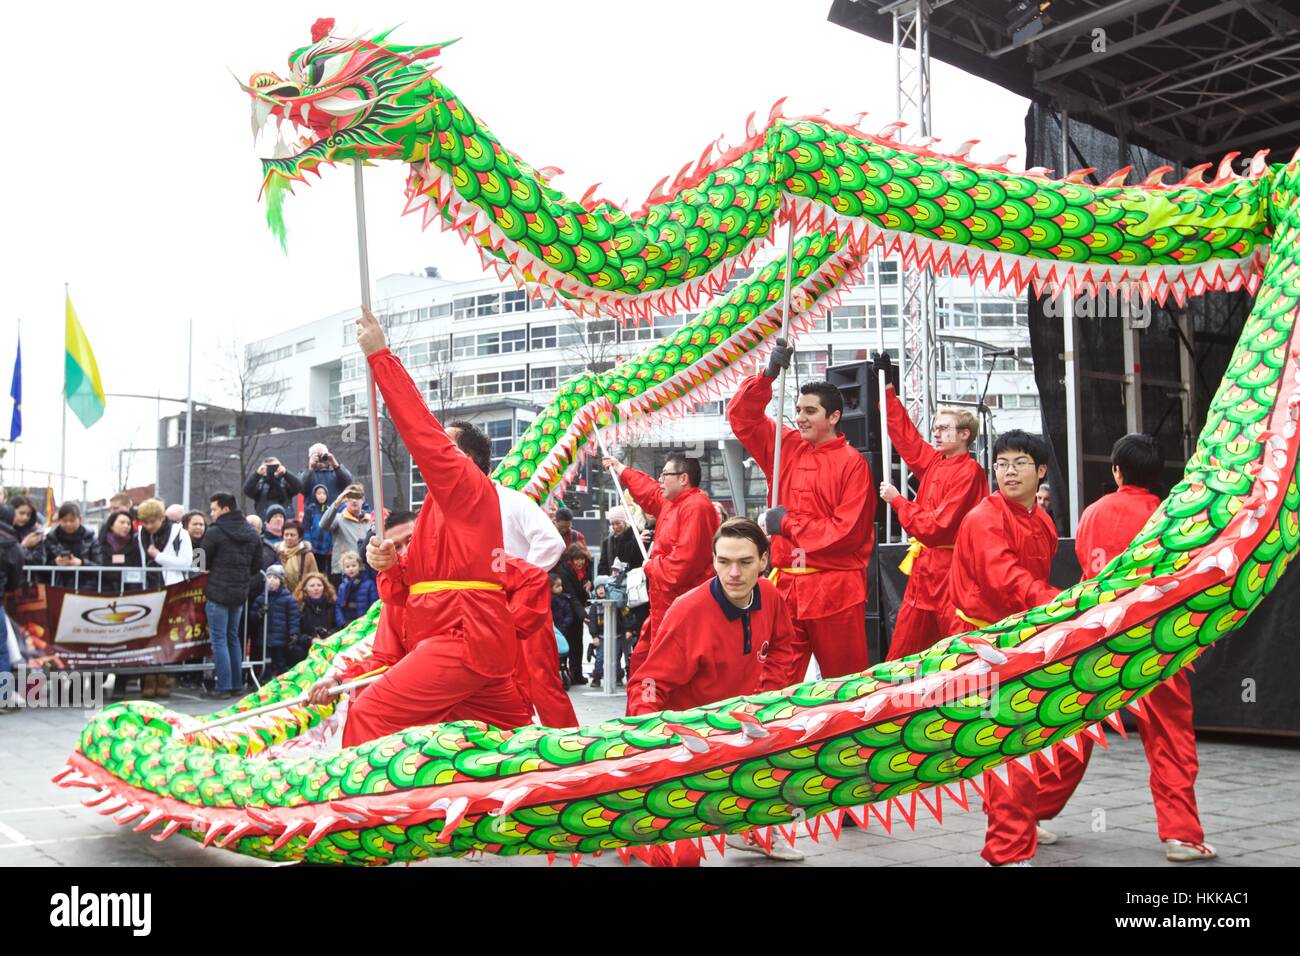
{"points": [[1170, 745], [431, 685], [916, 630], [687, 855], [838, 641]]}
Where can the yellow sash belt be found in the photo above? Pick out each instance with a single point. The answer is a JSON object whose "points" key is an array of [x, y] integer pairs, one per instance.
{"points": [[913, 550], [428, 587], [973, 621], [777, 572]]}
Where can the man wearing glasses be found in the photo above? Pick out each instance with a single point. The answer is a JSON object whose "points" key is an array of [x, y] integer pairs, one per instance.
{"points": [[1000, 566], [685, 521], [952, 483], [822, 526]]}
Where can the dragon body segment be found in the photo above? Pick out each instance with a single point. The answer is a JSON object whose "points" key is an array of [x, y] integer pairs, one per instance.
{"points": [[998, 700]]}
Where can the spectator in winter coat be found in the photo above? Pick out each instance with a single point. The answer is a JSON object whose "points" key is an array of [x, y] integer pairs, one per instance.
{"points": [[575, 575], [268, 557], [316, 600], [271, 484], [562, 613], [273, 525], [234, 557], [161, 543], [357, 591], [195, 523], [276, 603], [11, 555], [347, 522], [27, 524], [324, 469], [116, 548], [564, 524], [321, 541], [69, 544], [295, 554]]}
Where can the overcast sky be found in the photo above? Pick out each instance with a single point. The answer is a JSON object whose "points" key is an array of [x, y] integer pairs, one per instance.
{"points": [[129, 169]]}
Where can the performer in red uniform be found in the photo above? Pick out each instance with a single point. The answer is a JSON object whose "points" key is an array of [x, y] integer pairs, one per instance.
{"points": [[1000, 566], [1106, 528], [685, 521], [458, 645], [952, 483], [822, 528], [727, 637]]}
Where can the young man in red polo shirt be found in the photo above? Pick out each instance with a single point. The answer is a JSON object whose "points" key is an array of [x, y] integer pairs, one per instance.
{"points": [[1000, 566], [823, 526], [685, 521], [1106, 528], [952, 483], [727, 637]]}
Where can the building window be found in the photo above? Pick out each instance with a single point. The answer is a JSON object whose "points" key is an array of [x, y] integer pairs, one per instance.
{"points": [[257, 359], [514, 340], [810, 365], [462, 386], [888, 271], [997, 314], [543, 337], [849, 318], [515, 300], [842, 356], [306, 345], [463, 346], [440, 311], [602, 331], [353, 369], [463, 309], [514, 380], [543, 378], [666, 325]]}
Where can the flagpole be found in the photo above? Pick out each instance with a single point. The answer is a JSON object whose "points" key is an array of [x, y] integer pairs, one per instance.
{"points": [[363, 260], [189, 417], [63, 441]]}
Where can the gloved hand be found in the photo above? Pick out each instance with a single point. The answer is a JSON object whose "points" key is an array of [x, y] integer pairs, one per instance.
{"points": [[779, 359], [771, 520], [881, 362]]}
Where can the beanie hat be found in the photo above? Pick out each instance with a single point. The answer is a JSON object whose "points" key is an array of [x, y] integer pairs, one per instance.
{"points": [[276, 570]]}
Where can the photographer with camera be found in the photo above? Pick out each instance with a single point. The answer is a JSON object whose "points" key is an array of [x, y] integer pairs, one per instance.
{"points": [[271, 484], [324, 469]]}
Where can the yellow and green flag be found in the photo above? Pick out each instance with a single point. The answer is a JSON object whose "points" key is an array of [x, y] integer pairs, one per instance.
{"points": [[82, 388]]}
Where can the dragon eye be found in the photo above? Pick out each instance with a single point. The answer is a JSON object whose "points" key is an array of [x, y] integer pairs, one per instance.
{"points": [[325, 68]]}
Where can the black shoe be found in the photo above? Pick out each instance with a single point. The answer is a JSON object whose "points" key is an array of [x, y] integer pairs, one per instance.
{"points": [[230, 694], [213, 694], [578, 681]]}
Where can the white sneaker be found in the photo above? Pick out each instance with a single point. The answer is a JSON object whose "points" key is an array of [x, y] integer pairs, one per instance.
{"points": [[1046, 837], [780, 851], [1180, 851]]}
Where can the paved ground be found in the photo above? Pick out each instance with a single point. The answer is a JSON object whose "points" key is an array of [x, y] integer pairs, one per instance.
{"points": [[1247, 793]]}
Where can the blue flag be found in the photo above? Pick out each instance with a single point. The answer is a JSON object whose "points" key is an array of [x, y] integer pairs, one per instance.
{"points": [[16, 391]]}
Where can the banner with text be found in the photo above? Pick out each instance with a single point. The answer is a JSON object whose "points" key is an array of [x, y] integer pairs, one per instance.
{"points": [[63, 629]]}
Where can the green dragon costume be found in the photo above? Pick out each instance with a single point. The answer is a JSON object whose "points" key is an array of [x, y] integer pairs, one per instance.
{"points": [[998, 700]]}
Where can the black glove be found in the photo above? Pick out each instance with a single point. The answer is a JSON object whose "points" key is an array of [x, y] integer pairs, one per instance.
{"points": [[772, 519], [881, 362], [779, 359]]}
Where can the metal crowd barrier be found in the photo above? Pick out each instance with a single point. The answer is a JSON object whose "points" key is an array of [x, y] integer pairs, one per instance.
{"points": [[148, 579]]}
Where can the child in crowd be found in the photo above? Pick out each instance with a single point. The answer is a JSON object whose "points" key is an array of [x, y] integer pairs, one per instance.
{"points": [[284, 648], [316, 600], [321, 541], [356, 591], [561, 606]]}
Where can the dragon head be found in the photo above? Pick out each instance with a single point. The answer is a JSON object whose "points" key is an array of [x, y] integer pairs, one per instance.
{"points": [[347, 99]]}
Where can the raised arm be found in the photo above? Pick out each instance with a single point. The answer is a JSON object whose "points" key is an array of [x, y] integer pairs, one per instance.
{"points": [[747, 416], [916, 451], [645, 491]]}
